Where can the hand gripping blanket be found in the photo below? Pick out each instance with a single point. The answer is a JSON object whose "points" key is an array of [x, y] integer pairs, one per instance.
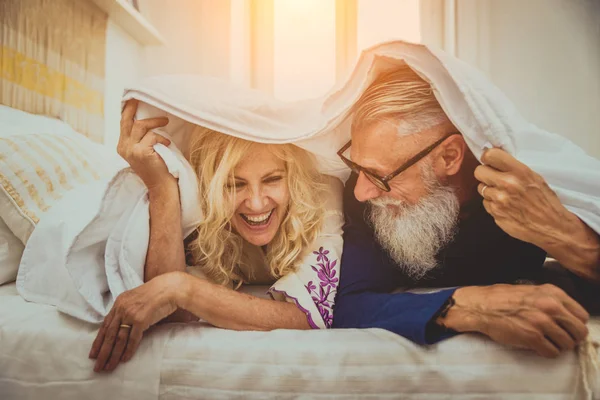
{"points": [[92, 245]]}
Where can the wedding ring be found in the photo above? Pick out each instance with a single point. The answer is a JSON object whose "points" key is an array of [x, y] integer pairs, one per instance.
{"points": [[125, 326], [483, 190]]}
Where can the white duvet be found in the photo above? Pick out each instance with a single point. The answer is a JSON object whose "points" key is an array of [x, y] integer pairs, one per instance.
{"points": [[56, 264], [43, 355]]}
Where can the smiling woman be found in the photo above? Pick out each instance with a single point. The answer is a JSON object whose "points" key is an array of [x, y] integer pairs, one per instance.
{"points": [[266, 216], [261, 196], [255, 196]]}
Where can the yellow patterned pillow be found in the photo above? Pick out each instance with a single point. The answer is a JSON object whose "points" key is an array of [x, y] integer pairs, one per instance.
{"points": [[36, 170]]}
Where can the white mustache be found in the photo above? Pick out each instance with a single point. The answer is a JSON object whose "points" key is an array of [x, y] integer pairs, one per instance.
{"points": [[386, 201]]}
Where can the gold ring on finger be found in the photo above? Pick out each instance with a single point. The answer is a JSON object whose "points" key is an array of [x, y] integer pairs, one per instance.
{"points": [[125, 326], [483, 190]]}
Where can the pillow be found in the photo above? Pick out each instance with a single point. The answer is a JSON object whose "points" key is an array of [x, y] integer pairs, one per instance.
{"points": [[17, 122], [11, 249], [41, 159]]}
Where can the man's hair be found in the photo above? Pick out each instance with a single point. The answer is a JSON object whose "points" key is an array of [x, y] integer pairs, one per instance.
{"points": [[402, 96], [217, 250]]}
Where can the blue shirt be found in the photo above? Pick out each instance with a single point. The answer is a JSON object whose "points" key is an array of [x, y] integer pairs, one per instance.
{"points": [[480, 254]]}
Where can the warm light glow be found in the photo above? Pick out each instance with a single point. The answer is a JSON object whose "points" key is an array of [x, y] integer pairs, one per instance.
{"points": [[382, 20], [304, 40], [304, 48]]}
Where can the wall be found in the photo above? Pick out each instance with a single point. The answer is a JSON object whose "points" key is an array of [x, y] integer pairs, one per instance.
{"points": [[543, 54], [361, 24], [123, 66], [304, 48], [383, 20], [198, 40], [196, 33], [240, 43]]}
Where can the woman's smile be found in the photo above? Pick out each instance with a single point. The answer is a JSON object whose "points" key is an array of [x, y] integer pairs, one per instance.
{"points": [[261, 196], [257, 220]]}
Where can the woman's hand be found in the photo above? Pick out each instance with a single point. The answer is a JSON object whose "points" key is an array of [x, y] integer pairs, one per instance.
{"points": [[134, 312], [136, 146]]}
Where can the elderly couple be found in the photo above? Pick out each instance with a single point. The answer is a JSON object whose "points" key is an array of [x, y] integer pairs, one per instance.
{"points": [[420, 212]]}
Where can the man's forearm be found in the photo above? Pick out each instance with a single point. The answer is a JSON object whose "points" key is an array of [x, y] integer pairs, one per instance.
{"points": [[577, 249], [165, 249]]}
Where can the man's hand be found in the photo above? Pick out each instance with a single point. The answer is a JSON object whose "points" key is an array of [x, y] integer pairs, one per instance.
{"points": [[524, 206], [540, 318], [520, 200]]}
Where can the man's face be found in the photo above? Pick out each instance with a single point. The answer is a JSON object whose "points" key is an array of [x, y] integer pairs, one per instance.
{"points": [[418, 216], [379, 148]]}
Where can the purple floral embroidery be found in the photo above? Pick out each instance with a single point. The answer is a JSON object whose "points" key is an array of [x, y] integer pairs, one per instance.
{"points": [[328, 282], [321, 254]]}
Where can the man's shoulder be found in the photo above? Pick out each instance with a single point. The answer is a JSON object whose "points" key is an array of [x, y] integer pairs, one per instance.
{"points": [[484, 250]]}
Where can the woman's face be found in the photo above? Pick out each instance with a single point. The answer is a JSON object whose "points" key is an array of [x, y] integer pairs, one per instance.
{"points": [[262, 196]]}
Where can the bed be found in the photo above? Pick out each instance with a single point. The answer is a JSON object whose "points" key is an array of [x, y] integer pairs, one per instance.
{"points": [[43, 354]]}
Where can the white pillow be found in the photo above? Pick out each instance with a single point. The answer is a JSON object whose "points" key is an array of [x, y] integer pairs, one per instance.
{"points": [[41, 159], [17, 122], [11, 250]]}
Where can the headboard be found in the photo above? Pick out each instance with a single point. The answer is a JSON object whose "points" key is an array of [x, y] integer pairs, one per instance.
{"points": [[52, 54]]}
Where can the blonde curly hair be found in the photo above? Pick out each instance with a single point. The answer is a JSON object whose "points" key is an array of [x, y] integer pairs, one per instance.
{"points": [[217, 250]]}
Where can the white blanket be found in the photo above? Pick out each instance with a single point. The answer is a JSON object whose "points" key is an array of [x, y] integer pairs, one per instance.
{"points": [[65, 263], [43, 355], [476, 107], [91, 246]]}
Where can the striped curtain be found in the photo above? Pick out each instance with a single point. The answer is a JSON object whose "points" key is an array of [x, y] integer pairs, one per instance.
{"points": [[52, 54]]}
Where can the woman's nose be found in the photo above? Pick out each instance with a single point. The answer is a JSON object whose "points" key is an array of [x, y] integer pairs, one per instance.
{"points": [[257, 201]]}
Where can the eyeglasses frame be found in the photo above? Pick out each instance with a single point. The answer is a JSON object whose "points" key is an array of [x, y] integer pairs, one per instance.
{"points": [[382, 182]]}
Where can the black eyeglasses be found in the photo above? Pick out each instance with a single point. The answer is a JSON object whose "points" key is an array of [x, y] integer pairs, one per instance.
{"points": [[382, 182]]}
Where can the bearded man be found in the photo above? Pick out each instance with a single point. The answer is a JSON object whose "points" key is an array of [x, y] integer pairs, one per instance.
{"points": [[422, 212]]}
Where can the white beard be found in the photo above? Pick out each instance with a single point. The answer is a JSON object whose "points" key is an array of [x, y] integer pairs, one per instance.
{"points": [[414, 234]]}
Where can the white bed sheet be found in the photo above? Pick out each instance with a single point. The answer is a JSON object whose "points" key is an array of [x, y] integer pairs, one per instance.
{"points": [[43, 354]]}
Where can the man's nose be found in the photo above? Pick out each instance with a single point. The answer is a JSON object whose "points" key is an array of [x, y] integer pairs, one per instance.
{"points": [[365, 189]]}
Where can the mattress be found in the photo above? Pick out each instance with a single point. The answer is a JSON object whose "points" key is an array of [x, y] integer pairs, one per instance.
{"points": [[43, 354]]}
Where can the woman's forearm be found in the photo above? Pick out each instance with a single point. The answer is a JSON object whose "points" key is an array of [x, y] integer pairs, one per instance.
{"points": [[226, 308], [165, 248]]}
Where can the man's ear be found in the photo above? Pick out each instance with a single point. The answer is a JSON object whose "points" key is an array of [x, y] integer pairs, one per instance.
{"points": [[451, 155]]}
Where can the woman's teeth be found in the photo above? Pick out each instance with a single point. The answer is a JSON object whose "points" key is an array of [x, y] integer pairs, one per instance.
{"points": [[257, 219]]}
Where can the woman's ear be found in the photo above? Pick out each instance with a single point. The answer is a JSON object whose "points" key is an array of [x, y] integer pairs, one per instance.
{"points": [[452, 154]]}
